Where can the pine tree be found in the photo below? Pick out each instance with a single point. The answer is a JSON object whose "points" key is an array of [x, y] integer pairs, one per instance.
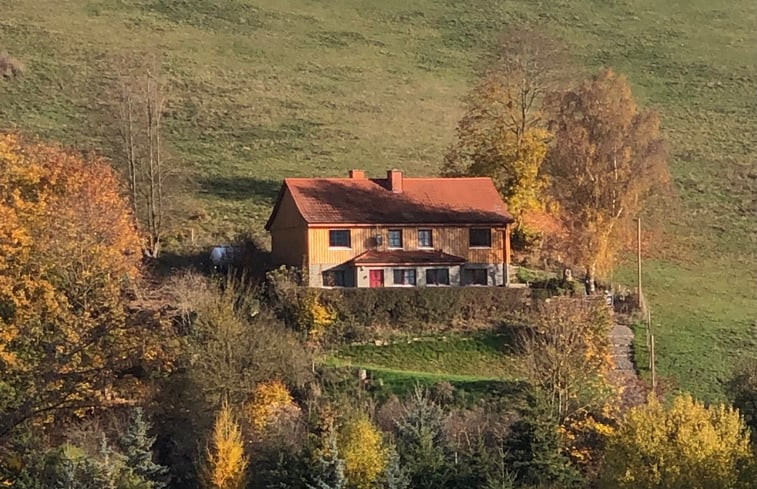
{"points": [[394, 476], [421, 443], [328, 470], [534, 452], [136, 446]]}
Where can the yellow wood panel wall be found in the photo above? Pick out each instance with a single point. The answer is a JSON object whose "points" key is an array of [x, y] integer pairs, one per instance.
{"points": [[452, 240], [289, 234]]}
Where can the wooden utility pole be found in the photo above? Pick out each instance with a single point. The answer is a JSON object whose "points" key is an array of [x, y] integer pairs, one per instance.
{"points": [[652, 361], [638, 260]]}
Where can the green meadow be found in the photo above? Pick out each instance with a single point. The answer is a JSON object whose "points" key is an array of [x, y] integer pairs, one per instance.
{"points": [[267, 89]]}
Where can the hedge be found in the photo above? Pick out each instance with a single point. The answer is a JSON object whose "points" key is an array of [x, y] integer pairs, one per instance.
{"points": [[425, 306]]}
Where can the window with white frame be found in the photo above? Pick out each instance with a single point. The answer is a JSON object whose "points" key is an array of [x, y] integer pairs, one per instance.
{"points": [[425, 238], [394, 238], [404, 276], [339, 238]]}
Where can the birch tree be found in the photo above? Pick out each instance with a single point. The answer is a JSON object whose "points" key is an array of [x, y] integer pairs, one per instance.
{"points": [[606, 159]]}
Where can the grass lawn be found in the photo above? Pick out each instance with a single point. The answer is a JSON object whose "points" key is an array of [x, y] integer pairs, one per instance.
{"points": [[267, 89], [477, 357], [476, 365]]}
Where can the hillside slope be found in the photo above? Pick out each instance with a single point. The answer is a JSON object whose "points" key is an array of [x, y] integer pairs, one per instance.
{"points": [[267, 89]]}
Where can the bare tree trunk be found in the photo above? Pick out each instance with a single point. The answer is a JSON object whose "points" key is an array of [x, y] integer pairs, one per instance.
{"points": [[591, 286], [140, 104]]}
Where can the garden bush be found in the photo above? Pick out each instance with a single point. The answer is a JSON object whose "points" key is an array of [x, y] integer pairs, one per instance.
{"points": [[362, 312]]}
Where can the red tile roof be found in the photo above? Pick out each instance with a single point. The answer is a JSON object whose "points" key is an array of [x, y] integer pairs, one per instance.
{"points": [[407, 257], [421, 201]]}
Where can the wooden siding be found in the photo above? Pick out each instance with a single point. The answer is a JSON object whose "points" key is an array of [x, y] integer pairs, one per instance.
{"points": [[289, 234], [452, 240]]}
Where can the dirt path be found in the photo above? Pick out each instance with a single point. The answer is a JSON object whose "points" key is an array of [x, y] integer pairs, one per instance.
{"points": [[625, 374]]}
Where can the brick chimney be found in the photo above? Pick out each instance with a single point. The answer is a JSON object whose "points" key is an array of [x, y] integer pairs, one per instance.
{"points": [[394, 177], [357, 174]]}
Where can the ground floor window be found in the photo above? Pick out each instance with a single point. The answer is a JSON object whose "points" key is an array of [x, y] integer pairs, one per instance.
{"points": [[475, 276], [404, 276], [334, 278], [437, 276]]}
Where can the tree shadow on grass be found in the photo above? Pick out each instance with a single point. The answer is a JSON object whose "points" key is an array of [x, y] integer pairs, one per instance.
{"points": [[241, 188]]}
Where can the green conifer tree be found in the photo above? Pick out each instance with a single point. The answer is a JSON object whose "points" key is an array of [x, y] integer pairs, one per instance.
{"points": [[394, 476], [328, 470], [136, 446]]}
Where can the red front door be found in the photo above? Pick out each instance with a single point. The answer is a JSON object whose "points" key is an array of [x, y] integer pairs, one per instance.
{"points": [[376, 278]]}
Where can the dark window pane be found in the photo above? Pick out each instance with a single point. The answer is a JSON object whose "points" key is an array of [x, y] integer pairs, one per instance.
{"points": [[404, 276], [398, 276], [481, 237], [334, 278], [437, 276], [475, 276], [425, 238], [339, 238], [395, 238]]}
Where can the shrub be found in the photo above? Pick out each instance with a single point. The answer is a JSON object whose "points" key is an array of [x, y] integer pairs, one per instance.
{"points": [[364, 452], [684, 445], [270, 401], [423, 308]]}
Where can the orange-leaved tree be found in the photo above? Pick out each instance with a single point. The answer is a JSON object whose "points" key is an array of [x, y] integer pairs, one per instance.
{"points": [[69, 253], [607, 157]]}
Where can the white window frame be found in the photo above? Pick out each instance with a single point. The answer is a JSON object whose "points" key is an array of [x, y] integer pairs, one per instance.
{"points": [[431, 239], [389, 239], [394, 282]]}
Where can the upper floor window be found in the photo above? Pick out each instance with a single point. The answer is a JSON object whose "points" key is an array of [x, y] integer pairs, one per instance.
{"points": [[404, 276], [480, 237], [425, 238], [339, 238], [395, 238], [437, 276]]}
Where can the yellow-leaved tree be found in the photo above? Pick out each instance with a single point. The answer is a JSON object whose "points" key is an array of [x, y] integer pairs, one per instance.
{"points": [[271, 402], [503, 133], [365, 455], [686, 445], [225, 461], [69, 256]]}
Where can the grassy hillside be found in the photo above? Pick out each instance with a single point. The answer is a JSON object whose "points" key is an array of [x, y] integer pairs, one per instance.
{"points": [[267, 89]]}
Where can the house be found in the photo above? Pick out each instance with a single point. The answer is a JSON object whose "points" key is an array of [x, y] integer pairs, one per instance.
{"points": [[393, 231]]}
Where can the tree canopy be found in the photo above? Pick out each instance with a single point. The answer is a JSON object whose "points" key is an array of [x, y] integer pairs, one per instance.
{"points": [[69, 253], [606, 158]]}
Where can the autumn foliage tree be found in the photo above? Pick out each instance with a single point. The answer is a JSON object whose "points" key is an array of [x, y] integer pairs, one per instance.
{"points": [[607, 157], [365, 456], [503, 133], [684, 445], [69, 254], [566, 355], [225, 460]]}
